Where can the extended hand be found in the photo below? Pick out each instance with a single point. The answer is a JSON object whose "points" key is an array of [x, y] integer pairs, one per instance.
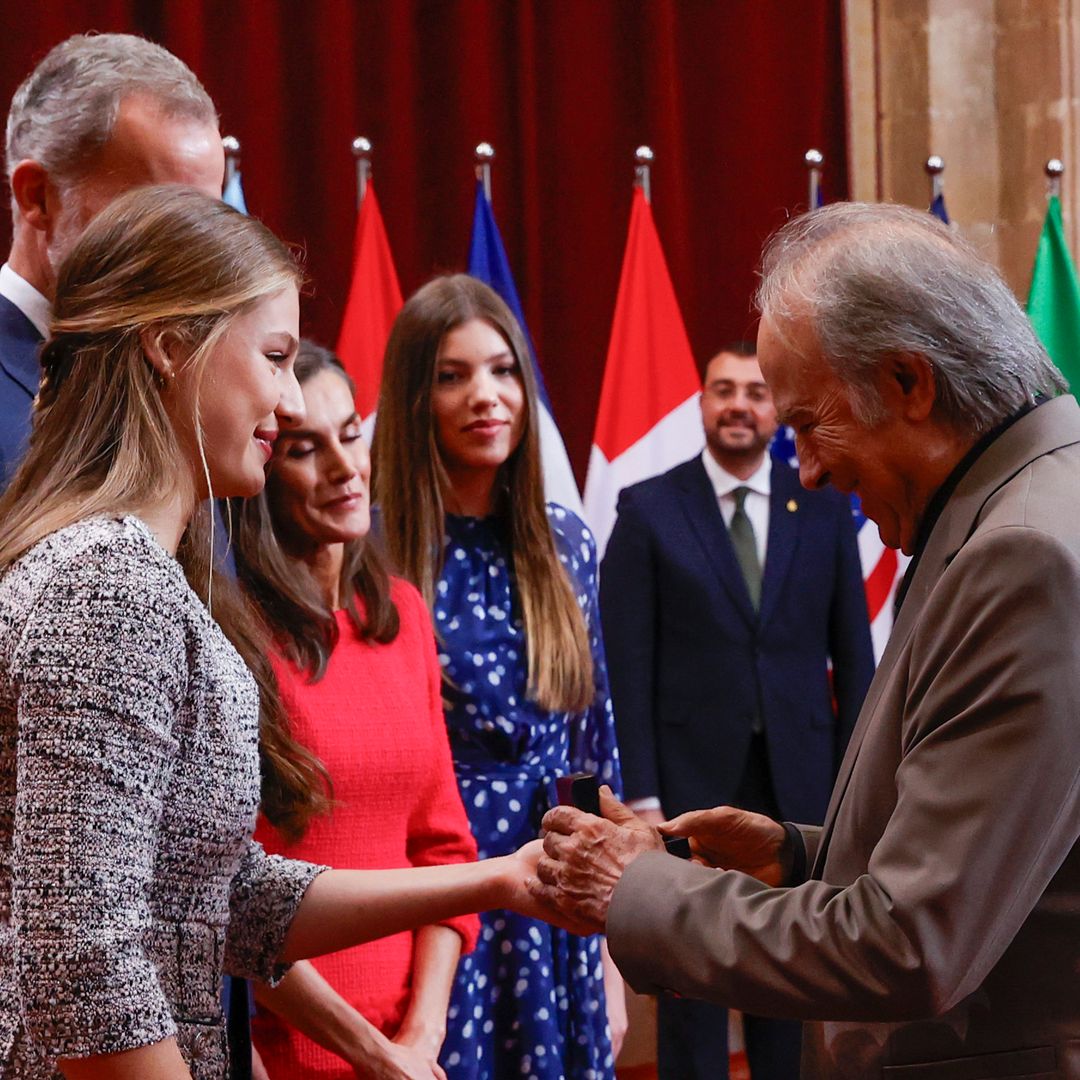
{"points": [[519, 869], [584, 857], [730, 839]]}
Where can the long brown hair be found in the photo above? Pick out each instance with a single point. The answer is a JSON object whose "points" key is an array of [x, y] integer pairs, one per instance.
{"points": [[291, 602], [175, 263], [410, 486]]}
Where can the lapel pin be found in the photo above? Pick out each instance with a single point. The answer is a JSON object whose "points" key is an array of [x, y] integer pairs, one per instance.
{"points": [[792, 506]]}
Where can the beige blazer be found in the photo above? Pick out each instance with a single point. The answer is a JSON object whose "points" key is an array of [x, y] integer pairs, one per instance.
{"points": [[939, 935]]}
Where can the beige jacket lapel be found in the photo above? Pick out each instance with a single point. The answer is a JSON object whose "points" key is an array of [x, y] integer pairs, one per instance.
{"points": [[1040, 432]]}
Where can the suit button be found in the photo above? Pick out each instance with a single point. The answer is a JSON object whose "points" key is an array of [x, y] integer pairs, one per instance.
{"points": [[203, 1043]]}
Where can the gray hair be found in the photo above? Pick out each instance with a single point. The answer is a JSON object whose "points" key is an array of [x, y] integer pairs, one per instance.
{"points": [[65, 110], [875, 280]]}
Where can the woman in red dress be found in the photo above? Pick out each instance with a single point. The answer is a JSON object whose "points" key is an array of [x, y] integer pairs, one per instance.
{"points": [[358, 673]]}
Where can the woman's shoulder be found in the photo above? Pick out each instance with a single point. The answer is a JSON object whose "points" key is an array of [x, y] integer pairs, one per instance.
{"points": [[566, 521], [117, 550], [413, 610], [571, 532], [409, 602], [91, 579]]}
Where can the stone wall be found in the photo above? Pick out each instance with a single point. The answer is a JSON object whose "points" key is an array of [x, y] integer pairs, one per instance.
{"points": [[989, 85]]}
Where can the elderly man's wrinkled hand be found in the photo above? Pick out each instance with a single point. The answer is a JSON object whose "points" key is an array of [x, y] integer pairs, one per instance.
{"points": [[727, 838], [584, 858]]}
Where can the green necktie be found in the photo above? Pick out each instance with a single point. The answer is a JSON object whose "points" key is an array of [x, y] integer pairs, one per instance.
{"points": [[742, 539]]}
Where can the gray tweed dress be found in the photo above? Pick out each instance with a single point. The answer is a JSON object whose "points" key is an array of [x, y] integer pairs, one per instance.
{"points": [[129, 781]]}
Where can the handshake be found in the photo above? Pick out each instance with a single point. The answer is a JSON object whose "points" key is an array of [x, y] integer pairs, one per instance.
{"points": [[575, 867]]}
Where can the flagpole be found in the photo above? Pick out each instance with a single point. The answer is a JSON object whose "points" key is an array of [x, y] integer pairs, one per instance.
{"points": [[231, 145], [935, 168], [483, 156], [814, 160], [361, 148], [643, 159], [1054, 168]]}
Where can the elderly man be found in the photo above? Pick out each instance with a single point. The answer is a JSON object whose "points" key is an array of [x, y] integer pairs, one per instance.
{"points": [[931, 927], [99, 115]]}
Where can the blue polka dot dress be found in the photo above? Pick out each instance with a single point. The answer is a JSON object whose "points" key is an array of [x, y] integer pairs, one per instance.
{"points": [[529, 1001]]}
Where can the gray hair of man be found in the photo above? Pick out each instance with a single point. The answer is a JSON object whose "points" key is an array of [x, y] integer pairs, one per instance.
{"points": [[65, 110], [872, 281]]}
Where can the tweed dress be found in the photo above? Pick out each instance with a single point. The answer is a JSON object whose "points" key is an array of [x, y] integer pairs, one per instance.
{"points": [[129, 781]]}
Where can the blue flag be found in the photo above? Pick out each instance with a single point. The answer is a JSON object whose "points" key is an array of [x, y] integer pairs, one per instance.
{"points": [[937, 208], [488, 262]]}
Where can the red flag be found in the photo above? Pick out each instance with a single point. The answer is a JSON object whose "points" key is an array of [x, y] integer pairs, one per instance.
{"points": [[374, 301], [648, 419]]}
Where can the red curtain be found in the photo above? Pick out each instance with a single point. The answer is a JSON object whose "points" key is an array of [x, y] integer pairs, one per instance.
{"points": [[729, 94]]}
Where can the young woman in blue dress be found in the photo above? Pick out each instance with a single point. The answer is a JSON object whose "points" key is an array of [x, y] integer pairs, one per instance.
{"points": [[512, 586]]}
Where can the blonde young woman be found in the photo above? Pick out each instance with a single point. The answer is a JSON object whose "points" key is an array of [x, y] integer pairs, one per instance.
{"points": [[129, 751], [512, 585]]}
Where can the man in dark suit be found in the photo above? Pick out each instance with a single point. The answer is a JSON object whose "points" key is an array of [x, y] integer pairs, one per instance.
{"points": [[725, 592], [99, 115]]}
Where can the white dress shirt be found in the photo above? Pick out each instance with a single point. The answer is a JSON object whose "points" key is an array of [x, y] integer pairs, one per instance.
{"points": [[757, 500], [26, 298]]}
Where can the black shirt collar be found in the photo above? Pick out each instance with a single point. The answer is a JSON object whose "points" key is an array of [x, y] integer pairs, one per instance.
{"points": [[940, 497]]}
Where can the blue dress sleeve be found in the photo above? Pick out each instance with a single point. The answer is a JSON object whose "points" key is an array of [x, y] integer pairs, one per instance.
{"points": [[593, 747]]}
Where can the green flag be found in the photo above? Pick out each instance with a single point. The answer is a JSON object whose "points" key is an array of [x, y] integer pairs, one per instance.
{"points": [[1054, 300]]}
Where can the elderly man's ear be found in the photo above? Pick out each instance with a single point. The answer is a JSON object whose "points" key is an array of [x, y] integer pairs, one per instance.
{"points": [[908, 386]]}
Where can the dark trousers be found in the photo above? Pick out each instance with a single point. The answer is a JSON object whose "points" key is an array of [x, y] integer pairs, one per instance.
{"points": [[692, 1042]]}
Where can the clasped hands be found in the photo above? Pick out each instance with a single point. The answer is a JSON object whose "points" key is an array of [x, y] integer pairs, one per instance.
{"points": [[582, 857]]}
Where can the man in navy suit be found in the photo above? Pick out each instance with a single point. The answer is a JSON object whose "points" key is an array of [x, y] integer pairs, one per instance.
{"points": [[99, 115], [726, 591]]}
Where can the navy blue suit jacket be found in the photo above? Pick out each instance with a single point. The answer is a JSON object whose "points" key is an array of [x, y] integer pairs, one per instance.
{"points": [[19, 377], [692, 663]]}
